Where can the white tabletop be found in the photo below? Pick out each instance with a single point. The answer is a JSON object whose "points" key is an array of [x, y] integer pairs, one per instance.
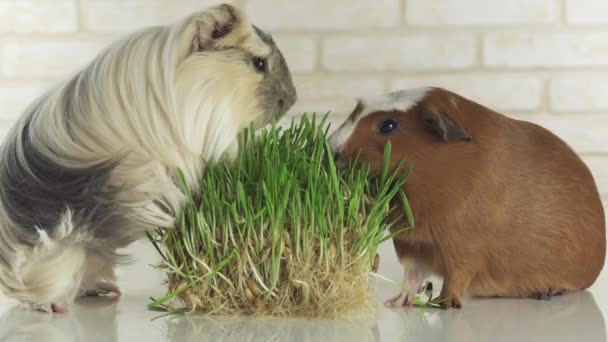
{"points": [[573, 317]]}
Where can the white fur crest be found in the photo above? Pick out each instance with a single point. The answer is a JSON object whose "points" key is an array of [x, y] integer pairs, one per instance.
{"points": [[401, 100]]}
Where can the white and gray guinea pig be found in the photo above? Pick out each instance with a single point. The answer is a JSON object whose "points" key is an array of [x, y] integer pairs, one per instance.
{"points": [[90, 165]]}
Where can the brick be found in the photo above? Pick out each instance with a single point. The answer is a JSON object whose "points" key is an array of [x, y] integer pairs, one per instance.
{"points": [[339, 107], [317, 14], [499, 92], [560, 49], [299, 51], [585, 133], [178, 9], [587, 11], [15, 97], [322, 93], [38, 16], [480, 12], [41, 58], [404, 52], [599, 169], [315, 87], [579, 92], [121, 16], [319, 93], [126, 16]]}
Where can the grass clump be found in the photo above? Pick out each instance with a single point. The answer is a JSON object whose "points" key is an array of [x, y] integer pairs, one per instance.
{"points": [[280, 231]]}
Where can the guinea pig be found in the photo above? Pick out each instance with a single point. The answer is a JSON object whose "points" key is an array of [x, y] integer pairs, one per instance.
{"points": [[91, 165], [502, 207]]}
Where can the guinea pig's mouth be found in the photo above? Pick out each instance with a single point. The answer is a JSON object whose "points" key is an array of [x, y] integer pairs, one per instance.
{"points": [[339, 161], [279, 115], [269, 116], [265, 119]]}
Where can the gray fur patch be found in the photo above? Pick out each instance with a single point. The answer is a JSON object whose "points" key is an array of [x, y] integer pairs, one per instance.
{"points": [[36, 191], [277, 92]]}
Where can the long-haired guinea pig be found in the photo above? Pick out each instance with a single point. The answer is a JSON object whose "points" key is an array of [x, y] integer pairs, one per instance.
{"points": [[90, 166], [502, 207]]}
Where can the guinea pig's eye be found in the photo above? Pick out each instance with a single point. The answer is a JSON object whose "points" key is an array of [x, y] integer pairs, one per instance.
{"points": [[259, 63], [388, 126]]}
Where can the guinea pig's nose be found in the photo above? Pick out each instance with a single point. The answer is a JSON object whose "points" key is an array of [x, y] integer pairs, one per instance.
{"points": [[281, 103]]}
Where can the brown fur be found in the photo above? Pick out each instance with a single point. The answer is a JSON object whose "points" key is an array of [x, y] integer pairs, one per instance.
{"points": [[513, 212]]}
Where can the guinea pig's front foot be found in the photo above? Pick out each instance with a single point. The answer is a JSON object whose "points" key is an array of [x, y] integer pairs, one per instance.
{"points": [[547, 295], [401, 299], [453, 287], [103, 290], [412, 281], [53, 308], [449, 302]]}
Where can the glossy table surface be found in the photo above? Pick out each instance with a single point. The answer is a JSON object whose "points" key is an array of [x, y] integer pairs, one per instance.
{"points": [[574, 317]]}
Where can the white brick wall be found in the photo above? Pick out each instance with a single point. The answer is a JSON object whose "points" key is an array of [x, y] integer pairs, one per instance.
{"points": [[540, 60], [442, 13], [37, 57], [560, 49], [323, 15], [299, 50], [403, 52], [515, 92], [123, 16], [25, 16], [585, 132], [587, 12], [579, 92]]}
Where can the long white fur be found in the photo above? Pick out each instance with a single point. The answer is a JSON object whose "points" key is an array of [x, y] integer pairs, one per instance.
{"points": [[146, 105]]}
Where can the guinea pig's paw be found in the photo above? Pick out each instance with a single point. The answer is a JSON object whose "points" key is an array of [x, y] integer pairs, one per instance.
{"points": [[451, 302], [397, 300], [547, 295], [412, 281], [53, 308], [102, 290], [401, 299]]}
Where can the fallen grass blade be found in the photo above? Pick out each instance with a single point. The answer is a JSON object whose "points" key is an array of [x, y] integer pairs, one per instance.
{"points": [[158, 302]]}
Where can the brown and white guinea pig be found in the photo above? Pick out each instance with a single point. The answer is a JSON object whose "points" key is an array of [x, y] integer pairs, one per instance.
{"points": [[90, 165], [502, 207]]}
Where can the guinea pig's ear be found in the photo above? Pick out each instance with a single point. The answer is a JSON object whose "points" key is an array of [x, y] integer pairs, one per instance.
{"points": [[441, 125], [214, 24]]}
